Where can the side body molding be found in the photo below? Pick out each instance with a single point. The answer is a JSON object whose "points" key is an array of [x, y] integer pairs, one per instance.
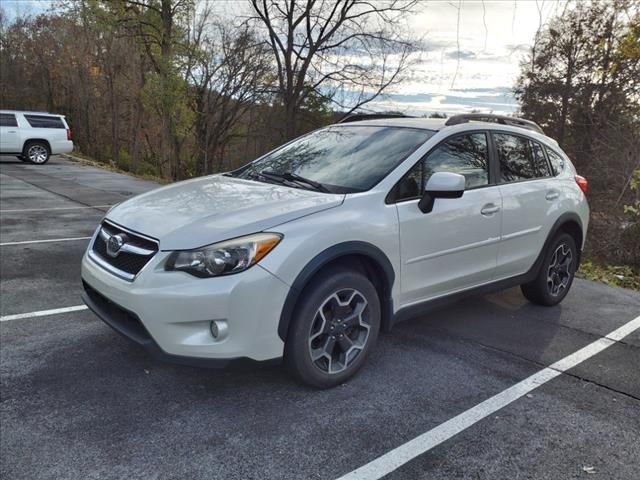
{"points": [[358, 248]]}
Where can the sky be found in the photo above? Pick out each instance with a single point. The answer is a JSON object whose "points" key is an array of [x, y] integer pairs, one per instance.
{"points": [[473, 67], [494, 36]]}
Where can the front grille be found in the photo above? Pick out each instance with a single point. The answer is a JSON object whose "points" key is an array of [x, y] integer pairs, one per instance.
{"points": [[130, 263]]}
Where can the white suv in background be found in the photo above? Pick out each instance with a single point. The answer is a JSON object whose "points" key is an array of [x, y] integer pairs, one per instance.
{"points": [[308, 252], [33, 136]]}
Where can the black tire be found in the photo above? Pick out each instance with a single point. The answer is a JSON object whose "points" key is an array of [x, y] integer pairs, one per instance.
{"points": [[556, 273], [350, 320], [22, 158], [36, 152]]}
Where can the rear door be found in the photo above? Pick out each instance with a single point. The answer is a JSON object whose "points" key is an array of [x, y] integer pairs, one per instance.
{"points": [[530, 199], [454, 247], [9, 133]]}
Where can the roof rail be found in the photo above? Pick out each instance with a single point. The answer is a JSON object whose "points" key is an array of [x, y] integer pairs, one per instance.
{"points": [[356, 117], [489, 117]]}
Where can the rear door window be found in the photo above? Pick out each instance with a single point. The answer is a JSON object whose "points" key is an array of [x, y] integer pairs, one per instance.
{"points": [[8, 120], [44, 121], [540, 164], [514, 156]]}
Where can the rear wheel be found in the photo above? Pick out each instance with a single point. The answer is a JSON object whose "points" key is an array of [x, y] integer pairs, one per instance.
{"points": [[37, 152], [556, 274], [334, 328]]}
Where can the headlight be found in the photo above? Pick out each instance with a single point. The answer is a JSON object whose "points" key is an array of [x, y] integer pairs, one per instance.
{"points": [[224, 258]]}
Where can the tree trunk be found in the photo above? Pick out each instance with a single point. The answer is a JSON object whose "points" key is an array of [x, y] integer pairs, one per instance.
{"points": [[566, 94], [167, 139], [138, 109], [291, 115], [115, 146]]}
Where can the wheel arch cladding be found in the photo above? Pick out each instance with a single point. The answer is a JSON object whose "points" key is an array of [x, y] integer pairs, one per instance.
{"points": [[571, 224], [573, 228], [361, 256]]}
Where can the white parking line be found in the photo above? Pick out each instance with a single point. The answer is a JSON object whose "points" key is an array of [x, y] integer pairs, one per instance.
{"points": [[397, 457], [53, 208], [42, 313], [72, 239]]}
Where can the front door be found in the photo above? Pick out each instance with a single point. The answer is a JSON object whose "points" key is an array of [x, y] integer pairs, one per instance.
{"points": [[454, 247]]}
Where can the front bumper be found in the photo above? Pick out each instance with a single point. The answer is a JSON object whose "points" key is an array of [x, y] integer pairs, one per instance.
{"points": [[170, 313]]}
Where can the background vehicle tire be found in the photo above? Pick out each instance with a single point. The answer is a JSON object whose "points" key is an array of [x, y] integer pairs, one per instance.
{"points": [[22, 158], [556, 273], [37, 152], [334, 327]]}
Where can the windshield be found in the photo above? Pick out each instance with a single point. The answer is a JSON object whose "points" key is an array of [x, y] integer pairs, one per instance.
{"points": [[341, 159]]}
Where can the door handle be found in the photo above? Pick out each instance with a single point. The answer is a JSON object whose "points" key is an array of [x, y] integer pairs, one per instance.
{"points": [[489, 209], [552, 195], [12, 131]]}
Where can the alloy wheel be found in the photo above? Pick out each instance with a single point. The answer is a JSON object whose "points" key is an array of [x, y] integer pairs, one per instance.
{"points": [[37, 154], [339, 331], [559, 272]]}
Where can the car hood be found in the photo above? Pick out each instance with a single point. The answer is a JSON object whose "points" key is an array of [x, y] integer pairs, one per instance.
{"points": [[206, 210]]}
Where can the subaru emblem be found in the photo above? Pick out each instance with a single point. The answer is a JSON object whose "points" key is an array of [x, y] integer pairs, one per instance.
{"points": [[114, 244]]}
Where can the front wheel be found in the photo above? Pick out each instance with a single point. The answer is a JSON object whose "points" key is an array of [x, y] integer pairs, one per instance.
{"points": [[334, 328], [556, 274], [37, 153]]}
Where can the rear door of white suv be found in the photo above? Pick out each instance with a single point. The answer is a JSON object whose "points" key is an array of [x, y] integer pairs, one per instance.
{"points": [[9, 133], [531, 199], [453, 247]]}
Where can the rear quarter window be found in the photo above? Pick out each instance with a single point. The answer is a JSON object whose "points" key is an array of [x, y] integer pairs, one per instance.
{"points": [[557, 162], [44, 121]]}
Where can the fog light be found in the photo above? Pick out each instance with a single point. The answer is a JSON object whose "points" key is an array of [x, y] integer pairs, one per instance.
{"points": [[218, 329]]}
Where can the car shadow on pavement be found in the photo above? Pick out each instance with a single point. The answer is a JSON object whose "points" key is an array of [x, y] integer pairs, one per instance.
{"points": [[503, 321]]}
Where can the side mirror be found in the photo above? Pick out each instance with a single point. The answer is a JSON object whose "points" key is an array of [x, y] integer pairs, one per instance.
{"points": [[441, 185]]}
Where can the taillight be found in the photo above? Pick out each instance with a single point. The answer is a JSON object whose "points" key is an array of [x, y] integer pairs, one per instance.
{"points": [[68, 134], [582, 183]]}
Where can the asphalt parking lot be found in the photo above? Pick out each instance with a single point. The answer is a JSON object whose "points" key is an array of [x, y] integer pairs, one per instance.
{"points": [[78, 401]]}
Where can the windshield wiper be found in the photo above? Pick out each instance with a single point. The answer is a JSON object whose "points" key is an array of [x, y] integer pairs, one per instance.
{"points": [[293, 177]]}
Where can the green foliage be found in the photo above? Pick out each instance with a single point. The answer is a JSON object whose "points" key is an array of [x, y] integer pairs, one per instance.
{"points": [[634, 184], [615, 275], [168, 96], [123, 161]]}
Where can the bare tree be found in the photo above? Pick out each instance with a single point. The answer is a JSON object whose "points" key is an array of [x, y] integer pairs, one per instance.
{"points": [[229, 71], [324, 47]]}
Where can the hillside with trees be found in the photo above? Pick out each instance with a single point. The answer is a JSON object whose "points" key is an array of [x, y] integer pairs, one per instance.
{"points": [[171, 88]]}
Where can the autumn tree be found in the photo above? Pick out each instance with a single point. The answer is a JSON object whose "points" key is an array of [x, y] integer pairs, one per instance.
{"points": [[159, 25], [324, 48]]}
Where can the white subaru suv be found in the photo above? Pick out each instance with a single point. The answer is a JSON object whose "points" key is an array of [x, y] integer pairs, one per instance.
{"points": [[34, 136], [308, 252]]}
